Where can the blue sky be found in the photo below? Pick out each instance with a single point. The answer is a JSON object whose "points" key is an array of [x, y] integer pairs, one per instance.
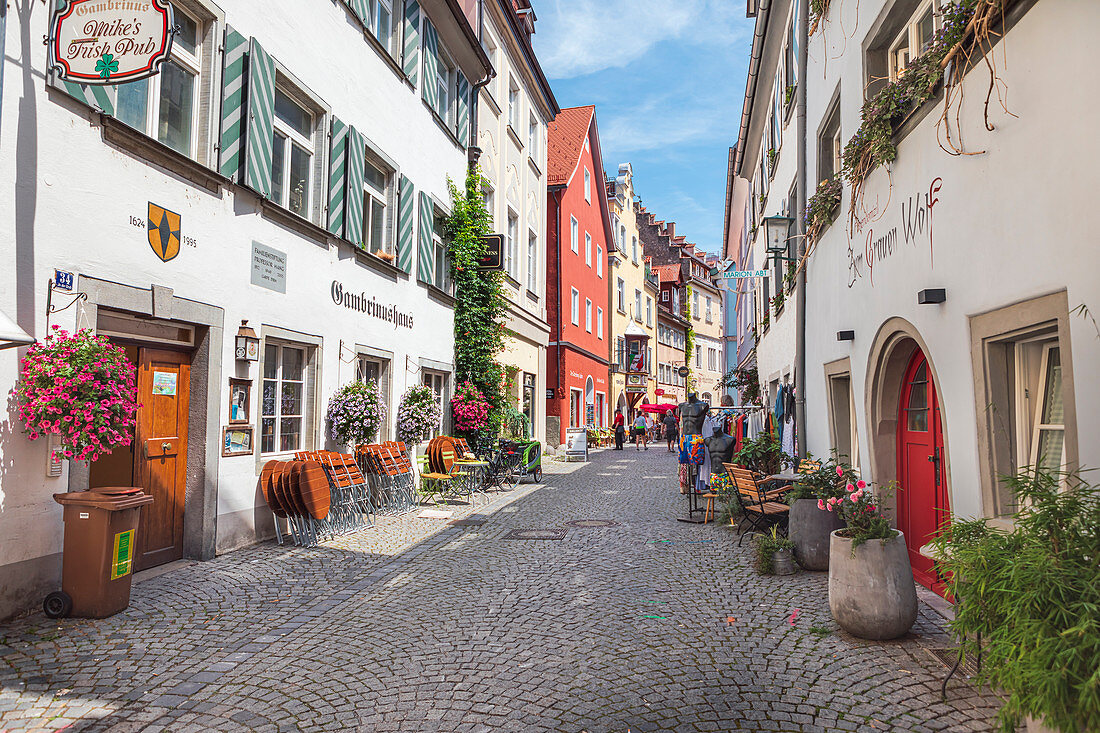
{"points": [[667, 78]]}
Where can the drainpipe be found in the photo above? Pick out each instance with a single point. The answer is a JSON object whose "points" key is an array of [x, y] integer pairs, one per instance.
{"points": [[473, 152], [801, 197]]}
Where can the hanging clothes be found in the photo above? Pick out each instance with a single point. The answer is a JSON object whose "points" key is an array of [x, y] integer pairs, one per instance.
{"points": [[739, 426], [704, 470], [788, 404], [786, 441]]}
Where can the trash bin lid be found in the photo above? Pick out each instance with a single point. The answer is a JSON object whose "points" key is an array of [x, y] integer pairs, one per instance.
{"points": [[117, 490], [110, 502]]}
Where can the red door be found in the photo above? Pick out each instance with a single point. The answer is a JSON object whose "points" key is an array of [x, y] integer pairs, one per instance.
{"points": [[922, 494]]}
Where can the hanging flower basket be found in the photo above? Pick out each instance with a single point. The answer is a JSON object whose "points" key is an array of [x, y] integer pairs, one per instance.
{"points": [[355, 413], [80, 387], [418, 414], [470, 408]]}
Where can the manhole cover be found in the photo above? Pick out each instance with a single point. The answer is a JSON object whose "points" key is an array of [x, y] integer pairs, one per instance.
{"points": [[536, 534], [592, 523], [948, 657]]}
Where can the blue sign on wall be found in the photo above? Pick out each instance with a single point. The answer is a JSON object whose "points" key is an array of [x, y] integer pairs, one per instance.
{"points": [[63, 280]]}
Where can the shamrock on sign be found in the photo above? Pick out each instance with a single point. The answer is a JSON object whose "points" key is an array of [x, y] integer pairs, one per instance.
{"points": [[106, 66]]}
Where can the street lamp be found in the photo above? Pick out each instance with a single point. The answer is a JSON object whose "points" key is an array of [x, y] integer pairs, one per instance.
{"points": [[776, 233], [247, 346]]}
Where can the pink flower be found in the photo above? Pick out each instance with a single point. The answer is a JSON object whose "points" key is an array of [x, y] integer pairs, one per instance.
{"points": [[820, 504], [839, 471], [861, 484], [854, 498], [850, 488]]}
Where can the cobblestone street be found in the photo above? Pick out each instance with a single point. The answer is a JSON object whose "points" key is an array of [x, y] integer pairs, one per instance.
{"points": [[422, 625]]}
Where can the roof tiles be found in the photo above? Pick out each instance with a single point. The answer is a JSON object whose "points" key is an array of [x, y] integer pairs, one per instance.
{"points": [[565, 141]]}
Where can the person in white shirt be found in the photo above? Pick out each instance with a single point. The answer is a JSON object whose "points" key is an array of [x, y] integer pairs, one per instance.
{"points": [[641, 431]]}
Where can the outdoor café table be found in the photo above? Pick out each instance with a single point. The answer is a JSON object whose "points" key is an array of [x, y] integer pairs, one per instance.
{"points": [[785, 477], [477, 469]]}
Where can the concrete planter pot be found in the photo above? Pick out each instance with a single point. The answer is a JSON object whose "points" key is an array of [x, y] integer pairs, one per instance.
{"points": [[810, 529], [871, 591]]}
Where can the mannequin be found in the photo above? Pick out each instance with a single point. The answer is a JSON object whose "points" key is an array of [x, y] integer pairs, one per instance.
{"points": [[692, 414], [721, 447]]}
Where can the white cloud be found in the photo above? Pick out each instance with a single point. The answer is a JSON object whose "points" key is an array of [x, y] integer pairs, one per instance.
{"points": [[578, 37]]}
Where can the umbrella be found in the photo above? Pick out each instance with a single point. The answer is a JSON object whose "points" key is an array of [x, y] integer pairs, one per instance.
{"points": [[658, 408]]}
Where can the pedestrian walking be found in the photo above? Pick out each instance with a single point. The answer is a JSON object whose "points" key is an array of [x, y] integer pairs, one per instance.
{"points": [[672, 430], [641, 428], [620, 430]]}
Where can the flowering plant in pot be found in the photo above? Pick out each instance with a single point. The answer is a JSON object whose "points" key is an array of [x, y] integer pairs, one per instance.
{"points": [[418, 414], [355, 413], [871, 589], [470, 408], [80, 387], [811, 523]]}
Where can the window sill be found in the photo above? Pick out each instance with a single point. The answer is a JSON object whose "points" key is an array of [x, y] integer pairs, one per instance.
{"points": [[375, 262], [438, 294], [442, 124], [515, 138], [511, 280], [290, 220], [532, 295], [534, 166], [493, 106], [153, 151]]}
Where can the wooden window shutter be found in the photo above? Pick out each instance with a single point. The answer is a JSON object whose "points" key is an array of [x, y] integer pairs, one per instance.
{"points": [[353, 222], [337, 176], [406, 213], [462, 118], [411, 48], [429, 88], [233, 101], [361, 8], [261, 118], [425, 265]]}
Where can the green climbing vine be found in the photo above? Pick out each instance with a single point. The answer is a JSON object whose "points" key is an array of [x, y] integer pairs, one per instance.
{"points": [[479, 302]]}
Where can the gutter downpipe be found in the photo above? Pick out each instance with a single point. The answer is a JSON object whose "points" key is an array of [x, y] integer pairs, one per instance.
{"points": [[801, 197]]}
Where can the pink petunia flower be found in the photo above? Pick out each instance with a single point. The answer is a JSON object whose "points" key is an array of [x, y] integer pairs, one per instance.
{"points": [[861, 484]]}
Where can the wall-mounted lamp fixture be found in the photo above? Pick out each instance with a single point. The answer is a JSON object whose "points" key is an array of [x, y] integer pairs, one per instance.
{"points": [[247, 344], [845, 335], [776, 235], [932, 295]]}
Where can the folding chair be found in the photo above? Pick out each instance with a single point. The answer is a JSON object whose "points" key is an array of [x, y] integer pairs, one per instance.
{"points": [[759, 507]]}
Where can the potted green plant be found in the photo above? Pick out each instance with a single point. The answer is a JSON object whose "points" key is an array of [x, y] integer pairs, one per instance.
{"points": [[871, 589], [763, 454], [811, 524], [1029, 601], [773, 553]]}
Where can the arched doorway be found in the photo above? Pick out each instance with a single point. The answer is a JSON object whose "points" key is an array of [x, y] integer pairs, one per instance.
{"points": [[922, 498]]}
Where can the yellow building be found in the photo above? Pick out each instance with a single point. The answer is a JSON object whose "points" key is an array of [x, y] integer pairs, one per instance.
{"points": [[633, 300]]}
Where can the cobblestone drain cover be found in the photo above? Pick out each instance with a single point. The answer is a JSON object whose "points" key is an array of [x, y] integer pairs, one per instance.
{"points": [[592, 523], [947, 658], [536, 534]]}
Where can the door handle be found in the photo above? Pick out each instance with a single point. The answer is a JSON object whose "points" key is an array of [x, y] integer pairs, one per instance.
{"points": [[934, 459], [165, 446]]}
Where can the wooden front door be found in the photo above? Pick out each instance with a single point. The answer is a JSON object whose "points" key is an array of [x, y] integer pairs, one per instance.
{"points": [[922, 494], [160, 454]]}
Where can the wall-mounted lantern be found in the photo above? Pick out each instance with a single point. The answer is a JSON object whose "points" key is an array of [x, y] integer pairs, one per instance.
{"points": [[247, 344]]}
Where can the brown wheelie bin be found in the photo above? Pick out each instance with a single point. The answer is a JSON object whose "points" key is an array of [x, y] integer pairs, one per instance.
{"points": [[100, 531]]}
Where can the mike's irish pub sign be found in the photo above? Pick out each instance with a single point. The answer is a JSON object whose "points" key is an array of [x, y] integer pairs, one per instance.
{"points": [[110, 41]]}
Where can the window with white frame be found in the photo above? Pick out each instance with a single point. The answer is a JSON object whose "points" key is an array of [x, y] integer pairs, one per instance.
{"points": [[588, 315], [513, 105], [695, 304], [487, 197], [575, 306], [574, 243], [441, 269], [830, 153], [166, 106], [533, 138], [381, 22], [621, 245], [437, 382], [285, 412], [634, 249], [914, 38], [712, 359], [599, 261], [599, 322], [378, 194], [588, 249], [292, 154], [698, 357], [620, 295], [709, 314], [445, 83], [637, 305], [532, 261], [587, 186], [648, 312], [511, 246]]}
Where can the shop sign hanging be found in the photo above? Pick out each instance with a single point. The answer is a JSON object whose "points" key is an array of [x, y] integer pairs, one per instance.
{"points": [[104, 42]]}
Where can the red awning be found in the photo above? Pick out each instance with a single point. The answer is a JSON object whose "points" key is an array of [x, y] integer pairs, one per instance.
{"points": [[658, 408]]}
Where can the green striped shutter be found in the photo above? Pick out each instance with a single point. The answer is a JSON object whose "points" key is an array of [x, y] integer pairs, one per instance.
{"points": [[99, 97], [412, 40], [425, 266], [261, 117], [462, 121], [353, 222], [431, 66], [406, 209], [361, 8], [337, 177], [232, 132]]}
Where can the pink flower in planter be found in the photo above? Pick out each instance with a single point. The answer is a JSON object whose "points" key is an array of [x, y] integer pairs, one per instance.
{"points": [[820, 504], [861, 484], [839, 471], [850, 488]]}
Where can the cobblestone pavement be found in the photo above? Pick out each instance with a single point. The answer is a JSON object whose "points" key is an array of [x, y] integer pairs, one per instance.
{"points": [[419, 625]]}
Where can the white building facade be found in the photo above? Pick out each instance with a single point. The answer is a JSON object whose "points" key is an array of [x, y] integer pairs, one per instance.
{"points": [[295, 166], [513, 111]]}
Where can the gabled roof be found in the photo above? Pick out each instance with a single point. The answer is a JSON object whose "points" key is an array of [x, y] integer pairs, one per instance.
{"points": [[667, 273], [565, 141]]}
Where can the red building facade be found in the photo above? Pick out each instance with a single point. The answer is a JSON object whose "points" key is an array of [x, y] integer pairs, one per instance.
{"points": [[578, 229]]}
